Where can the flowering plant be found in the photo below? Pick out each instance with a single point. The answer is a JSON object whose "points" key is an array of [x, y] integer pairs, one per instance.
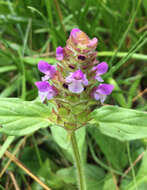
{"points": [[76, 83]]}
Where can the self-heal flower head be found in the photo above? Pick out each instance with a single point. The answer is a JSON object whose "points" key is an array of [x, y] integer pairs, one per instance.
{"points": [[59, 53], [45, 90], [76, 81], [47, 69], [100, 70], [101, 92]]}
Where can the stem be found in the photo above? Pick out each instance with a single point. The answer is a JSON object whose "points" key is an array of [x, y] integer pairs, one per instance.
{"points": [[122, 54], [78, 163], [131, 165]]}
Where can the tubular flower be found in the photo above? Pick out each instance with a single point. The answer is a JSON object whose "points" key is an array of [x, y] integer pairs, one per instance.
{"points": [[100, 70], [45, 90], [47, 69], [59, 53], [76, 81], [101, 92]]}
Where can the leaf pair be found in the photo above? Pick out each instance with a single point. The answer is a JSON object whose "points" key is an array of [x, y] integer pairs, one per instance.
{"points": [[19, 118]]}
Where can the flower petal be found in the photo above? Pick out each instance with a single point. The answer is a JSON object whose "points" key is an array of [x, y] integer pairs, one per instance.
{"points": [[102, 68], [76, 86], [45, 90], [95, 95], [105, 89], [59, 53], [42, 96], [47, 69], [102, 98], [98, 78], [74, 31], [70, 78], [78, 75], [43, 86], [43, 67], [45, 78], [85, 81]]}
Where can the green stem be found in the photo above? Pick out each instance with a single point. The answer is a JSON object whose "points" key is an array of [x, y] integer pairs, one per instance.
{"points": [[131, 165], [78, 163], [50, 16], [122, 54]]}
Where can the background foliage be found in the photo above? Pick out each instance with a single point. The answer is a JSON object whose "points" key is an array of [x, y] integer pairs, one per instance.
{"points": [[31, 30]]}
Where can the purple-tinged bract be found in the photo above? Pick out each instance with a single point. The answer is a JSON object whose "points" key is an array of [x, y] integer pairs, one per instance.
{"points": [[93, 42], [45, 90], [100, 70], [76, 81], [79, 41], [47, 69], [74, 32], [59, 53], [101, 92]]}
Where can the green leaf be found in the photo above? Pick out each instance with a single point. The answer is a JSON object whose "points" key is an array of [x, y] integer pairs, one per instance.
{"points": [[117, 93], [112, 154], [109, 183], [19, 117], [6, 145], [7, 68], [34, 61], [48, 177], [62, 138], [43, 171], [93, 174], [33, 164], [120, 123], [68, 175]]}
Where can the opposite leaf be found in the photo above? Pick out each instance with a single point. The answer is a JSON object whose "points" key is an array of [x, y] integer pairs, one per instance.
{"points": [[19, 117], [123, 124]]}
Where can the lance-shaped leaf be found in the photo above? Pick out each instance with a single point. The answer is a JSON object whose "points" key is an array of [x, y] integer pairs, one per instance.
{"points": [[121, 123], [19, 117]]}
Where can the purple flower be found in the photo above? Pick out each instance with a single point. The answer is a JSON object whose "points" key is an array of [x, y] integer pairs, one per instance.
{"points": [[47, 69], [59, 53], [45, 90], [76, 81], [101, 92], [100, 70]]}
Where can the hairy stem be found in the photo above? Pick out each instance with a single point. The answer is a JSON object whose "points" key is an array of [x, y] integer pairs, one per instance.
{"points": [[78, 162]]}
